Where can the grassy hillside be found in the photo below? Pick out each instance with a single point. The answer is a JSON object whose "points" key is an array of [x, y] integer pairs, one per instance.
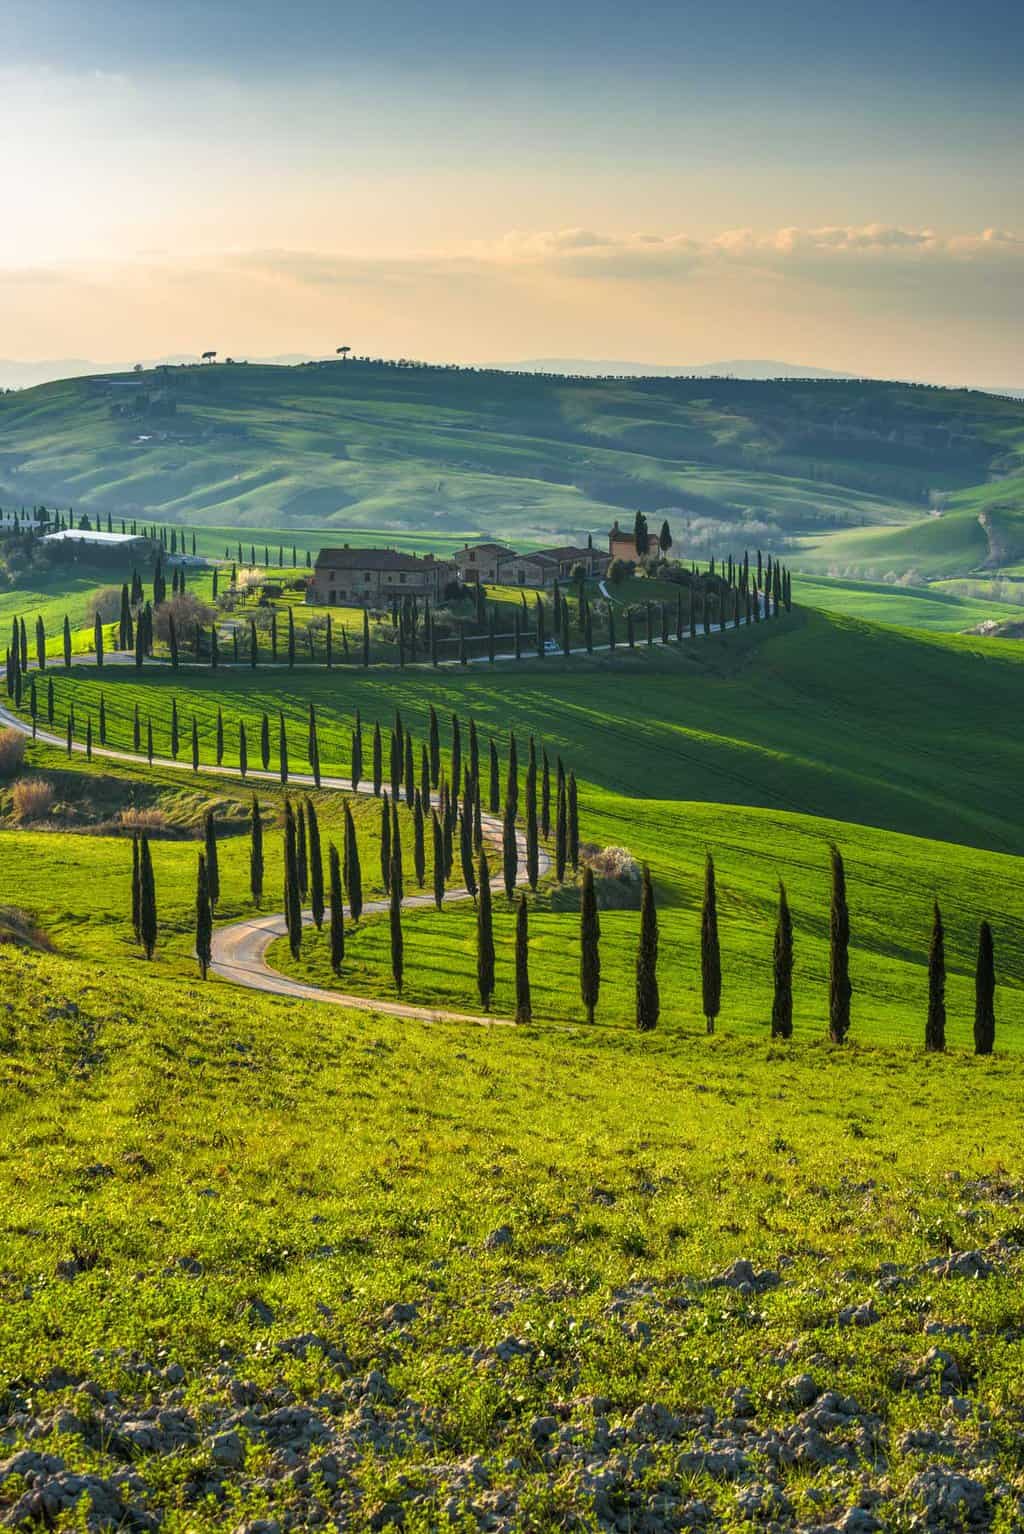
{"points": [[448, 451], [917, 607]]}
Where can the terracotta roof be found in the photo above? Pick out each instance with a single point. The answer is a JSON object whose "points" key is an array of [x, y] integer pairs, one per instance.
{"points": [[371, 559]]}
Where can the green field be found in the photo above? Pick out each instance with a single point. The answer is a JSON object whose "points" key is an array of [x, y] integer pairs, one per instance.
{"points": [[936, 608], [214, 1200]]}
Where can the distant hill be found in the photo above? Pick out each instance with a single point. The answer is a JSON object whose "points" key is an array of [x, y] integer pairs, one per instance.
{"points": [[381, 447], [585, 367]]}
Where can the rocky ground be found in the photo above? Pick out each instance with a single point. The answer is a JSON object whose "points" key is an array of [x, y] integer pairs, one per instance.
{"points": [[788, 1451]]}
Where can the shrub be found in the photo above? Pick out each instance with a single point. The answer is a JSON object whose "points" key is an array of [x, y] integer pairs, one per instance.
{"points": [[187, 611], [106, 602], [146, 819], [619, 570], [33, 799], [12, 752]]}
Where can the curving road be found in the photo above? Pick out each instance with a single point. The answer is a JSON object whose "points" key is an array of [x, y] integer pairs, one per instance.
{"points": [[239, 949]]}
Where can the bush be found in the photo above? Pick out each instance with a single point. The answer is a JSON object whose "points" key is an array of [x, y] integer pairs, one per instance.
{"points": [[106, 602], [33, 799], [187, 611], [12, 752]]}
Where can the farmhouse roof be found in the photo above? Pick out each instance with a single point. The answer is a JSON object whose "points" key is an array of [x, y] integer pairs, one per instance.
{"points": [[371, 559]]}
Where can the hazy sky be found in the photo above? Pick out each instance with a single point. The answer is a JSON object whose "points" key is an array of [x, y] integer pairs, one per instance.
{"points": [[834, 184]]}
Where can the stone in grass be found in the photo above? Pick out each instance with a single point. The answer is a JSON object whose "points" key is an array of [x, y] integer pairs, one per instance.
{"points": [[62, 1493], [802, 1390], [228, 1451], [498, 1238], [949, 1500], [859, 1315], [960, 1265], [742, 1276]]}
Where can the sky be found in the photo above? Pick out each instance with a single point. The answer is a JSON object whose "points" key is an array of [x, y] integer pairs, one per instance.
{"points": [[837, 185]]}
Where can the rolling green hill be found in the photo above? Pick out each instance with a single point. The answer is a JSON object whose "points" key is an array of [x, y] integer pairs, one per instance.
{"points": [[449, 451]]}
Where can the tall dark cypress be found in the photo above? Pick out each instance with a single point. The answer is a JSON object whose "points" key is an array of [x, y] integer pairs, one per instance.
{"points": [[425, 778], [494, 786], [301, 856], [353, 871], [385, 842], [985, 993], [484, 935], [243, 749], [419, 853], [648, 1000], [195, 745], [378, 760], [545, 795], [409, 773], [435, 749], [357, 752], [466, 847], [149, 740], [395, 926], [509, 851], [366, 637], [397, 867], [782, 964], [710, 953], [532, 846], [97, 639], [524, 1005], [437, 842], [282, 747], [839, 988], [67, 643], [572, 821], [337, 925], [316, 865], [935, 1026], [456, 753], [136, 730], [212, 860], [136, 890], [292, 899], [396, 764], [314, 749], [265, 741], [147, 899], [291, 638], [256, 852], [175, 736], [40, 645], [102, 716], [220, 737], [204, 917], [561, 827], [474, 749], [590, 944]]}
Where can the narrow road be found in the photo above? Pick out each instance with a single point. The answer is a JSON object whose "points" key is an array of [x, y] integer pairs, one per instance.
{"points": [[239, 949]]}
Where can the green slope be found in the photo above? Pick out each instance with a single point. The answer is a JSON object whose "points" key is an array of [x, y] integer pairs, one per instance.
{"points": [[447, 450]]}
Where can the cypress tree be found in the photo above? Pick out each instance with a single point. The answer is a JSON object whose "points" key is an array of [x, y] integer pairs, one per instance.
{"points": [[419, 853], [282, 747], [590, 944], [149, 740], [301, 860], [329, 643], [243, 749], [984, 993], [195, 745], [395, 924], [395, 762], [456, 752], [839, 988], [540, 628], [532, 848], [484, 935], [256, 853], [710, 953], [409, 773], [573, 822], [648, 1001], [935, 1027], [366, 637], [545, 795], [175, 740], [434, 740], [292, 899], [147, 899], [314, 747], [378, 760], [494, 787], [316, 865], [265, 740], [254, 645], [782, 956], [385, 843], [204, 917], [437, 839], [337, 922], [136, 730], [220, 737], [397, 868], [357, 752], [509, 852], [524, 1008], [512, 777], [67, 644], [561, 828], [291, 638], [102, 715], [97, 639], [136, 891], [40, 645], [611, 627], [212, 861], [466, 847], [353, 872]]}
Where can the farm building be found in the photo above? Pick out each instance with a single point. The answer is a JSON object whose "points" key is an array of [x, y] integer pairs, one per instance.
{"points": [[622, 545], [373, 576], [131, 543], [480, 561]]}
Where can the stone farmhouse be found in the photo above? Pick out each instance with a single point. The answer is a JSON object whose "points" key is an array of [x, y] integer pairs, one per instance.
{"points": [[494, 563], [622, 545], [373, 577]]}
